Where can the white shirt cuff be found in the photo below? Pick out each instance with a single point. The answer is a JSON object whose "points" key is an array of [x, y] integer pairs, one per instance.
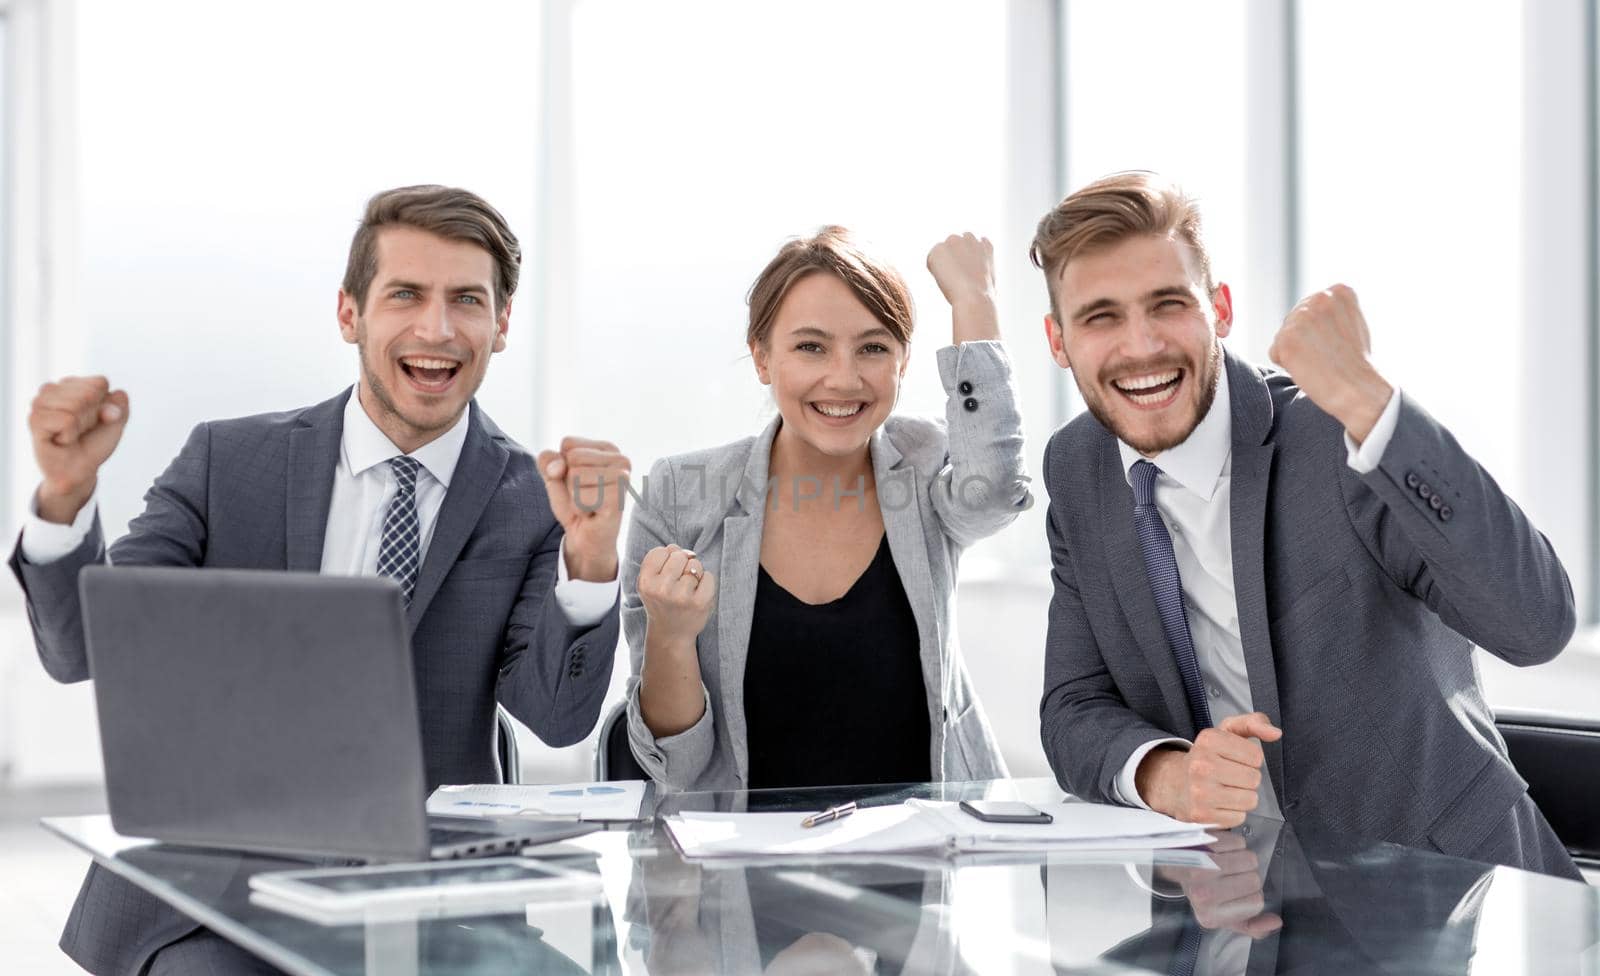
{"points": [[45, 542], [1127, 792], [585, 602], [1366, 457]]}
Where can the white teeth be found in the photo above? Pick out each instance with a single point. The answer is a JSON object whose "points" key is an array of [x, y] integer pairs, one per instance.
{"points": [[1133, 383], [417, 362], [838, 411], [1146, 398]]}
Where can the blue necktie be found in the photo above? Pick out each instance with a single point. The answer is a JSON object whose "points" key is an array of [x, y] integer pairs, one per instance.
{"points": [[1161, 566], [402, 534]]}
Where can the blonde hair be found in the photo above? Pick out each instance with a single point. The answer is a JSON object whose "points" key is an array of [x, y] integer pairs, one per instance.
{"points": [[1110, 210]]}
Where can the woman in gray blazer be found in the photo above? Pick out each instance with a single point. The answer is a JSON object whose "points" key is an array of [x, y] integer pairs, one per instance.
{"points": [[829, 657]]}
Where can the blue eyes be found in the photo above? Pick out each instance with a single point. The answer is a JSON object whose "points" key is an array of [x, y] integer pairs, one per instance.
{"points": [[406, 295]]}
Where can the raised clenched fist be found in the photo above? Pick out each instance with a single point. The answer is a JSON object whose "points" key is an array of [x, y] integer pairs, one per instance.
{"points": [[75, 423]]}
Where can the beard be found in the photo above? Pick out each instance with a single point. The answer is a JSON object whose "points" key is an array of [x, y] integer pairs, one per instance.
{"points": [[1150, 443]]}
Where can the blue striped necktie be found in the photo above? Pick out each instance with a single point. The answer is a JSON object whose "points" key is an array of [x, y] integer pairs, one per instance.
{"points": [[1161, 566], [401, 545]]}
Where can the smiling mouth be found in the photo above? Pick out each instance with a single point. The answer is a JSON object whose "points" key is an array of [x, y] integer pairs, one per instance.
{"points": [[431, 373], [839, 412], [1150, 389]]}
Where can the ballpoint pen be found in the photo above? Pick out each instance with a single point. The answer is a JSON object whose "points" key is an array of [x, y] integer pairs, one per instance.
{"points": [[832, 813]]}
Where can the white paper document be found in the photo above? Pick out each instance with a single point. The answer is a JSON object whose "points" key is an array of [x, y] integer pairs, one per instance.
{"points": [[587, 801], [927, 825]]}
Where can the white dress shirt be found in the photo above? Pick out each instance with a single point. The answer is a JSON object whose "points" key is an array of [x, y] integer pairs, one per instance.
{"points": [[1192, 494], [363, 485]]}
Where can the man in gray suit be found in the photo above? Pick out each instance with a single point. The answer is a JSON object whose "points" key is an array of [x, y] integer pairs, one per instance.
{"points": [[510, 583], [1268, 584]]}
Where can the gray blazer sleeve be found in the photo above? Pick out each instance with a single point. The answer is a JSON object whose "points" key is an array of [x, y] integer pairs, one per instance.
{"points": [[554, 676], [981, 487], [171, 531], [675, 761], [1473, 558]]}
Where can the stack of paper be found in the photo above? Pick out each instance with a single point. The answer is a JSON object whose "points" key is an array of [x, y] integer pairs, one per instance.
{"points": [[925, 825], [585, 801]]}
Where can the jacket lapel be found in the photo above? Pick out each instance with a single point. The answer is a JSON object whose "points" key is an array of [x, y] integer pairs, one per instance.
{"points": [[313, 455], [900, 502], [1247, 519], [477, 475], [736, 596], [1132, 586]]}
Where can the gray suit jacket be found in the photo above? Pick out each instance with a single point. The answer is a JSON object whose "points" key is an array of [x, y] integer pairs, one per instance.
{"points": [[941, 487], [1359, 604], [253, 493]]}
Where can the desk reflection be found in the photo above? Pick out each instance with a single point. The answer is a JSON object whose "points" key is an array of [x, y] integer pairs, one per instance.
{"points": [[1278, 902], [787, 920]]}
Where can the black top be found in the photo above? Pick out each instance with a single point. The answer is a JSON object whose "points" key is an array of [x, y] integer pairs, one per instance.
{"points": [[833, 692]]}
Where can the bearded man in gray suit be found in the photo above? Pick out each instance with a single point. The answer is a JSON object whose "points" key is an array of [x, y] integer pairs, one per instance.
{"points": [[510, 583], [1268, 584]]}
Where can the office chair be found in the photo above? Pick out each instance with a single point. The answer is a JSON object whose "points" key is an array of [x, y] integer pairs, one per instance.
{"points": [[506, 747], [1559, 756], [613, 757]]}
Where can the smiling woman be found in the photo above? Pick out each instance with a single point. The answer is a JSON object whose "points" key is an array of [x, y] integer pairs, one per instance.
{"points": [[829, 332], [822, 580]]}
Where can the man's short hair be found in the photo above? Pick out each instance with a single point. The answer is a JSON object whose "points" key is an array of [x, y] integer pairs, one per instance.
{"points": [[830, 251], [451, 213], [1134, 203]]}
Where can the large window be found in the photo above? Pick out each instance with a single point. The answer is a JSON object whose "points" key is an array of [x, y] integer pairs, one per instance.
{"points": [[1413, 182], [1173, 101]]}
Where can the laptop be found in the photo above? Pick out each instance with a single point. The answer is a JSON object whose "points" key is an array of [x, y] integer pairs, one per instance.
{"points": [[269, 711]]}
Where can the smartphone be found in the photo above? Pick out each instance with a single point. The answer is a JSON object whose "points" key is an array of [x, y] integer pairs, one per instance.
{"points": [[1005, 811]]}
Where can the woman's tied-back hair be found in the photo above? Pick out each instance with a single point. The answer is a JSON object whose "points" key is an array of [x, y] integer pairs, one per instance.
{"points": [[830, 251]]}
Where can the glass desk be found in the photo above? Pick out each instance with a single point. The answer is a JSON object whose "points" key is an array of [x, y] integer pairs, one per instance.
{"points": [[1265, 900]]}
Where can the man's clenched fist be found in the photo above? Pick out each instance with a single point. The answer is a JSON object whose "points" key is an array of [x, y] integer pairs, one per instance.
{"points": [[1326, 349], [1215, 781], [584, 480], [75, 424]]}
